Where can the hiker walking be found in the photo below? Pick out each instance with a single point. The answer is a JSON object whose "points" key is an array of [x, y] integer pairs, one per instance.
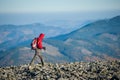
{"points": [[36, 45]]}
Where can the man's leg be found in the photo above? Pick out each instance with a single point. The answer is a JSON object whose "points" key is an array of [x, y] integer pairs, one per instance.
{"points": [[39, 55], [41, 59], [32, 61]]}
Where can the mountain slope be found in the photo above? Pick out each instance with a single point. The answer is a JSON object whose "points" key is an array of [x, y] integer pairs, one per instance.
{"points": [[95, 41], [14, 38], [15, 34], [99, 40]]}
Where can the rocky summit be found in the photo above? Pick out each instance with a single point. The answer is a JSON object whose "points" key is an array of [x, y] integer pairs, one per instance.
{"points": [[98, 70]]}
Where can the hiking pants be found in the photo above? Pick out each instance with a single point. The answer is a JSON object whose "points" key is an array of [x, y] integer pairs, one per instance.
{"points": [[37, 53]]}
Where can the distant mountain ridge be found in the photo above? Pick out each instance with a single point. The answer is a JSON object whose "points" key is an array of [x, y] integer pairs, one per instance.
{"points": [[113, 22], [99, 40], [95, 41], [15, 37]]}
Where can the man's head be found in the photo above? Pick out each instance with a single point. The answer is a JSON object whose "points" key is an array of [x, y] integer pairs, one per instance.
{"points": [[41, 35]]}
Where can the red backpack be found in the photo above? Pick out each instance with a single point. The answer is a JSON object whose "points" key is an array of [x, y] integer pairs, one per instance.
{"points": [[34, 43]]}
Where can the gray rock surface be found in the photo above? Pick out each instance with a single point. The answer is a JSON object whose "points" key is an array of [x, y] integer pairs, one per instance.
{"points": [[98, 70]]}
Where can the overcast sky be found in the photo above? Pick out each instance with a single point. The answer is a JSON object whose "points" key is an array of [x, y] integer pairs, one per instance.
{"points": [[37, 6]]}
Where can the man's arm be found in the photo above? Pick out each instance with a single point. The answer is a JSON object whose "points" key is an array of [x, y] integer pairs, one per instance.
{"points": [[44, 48]]}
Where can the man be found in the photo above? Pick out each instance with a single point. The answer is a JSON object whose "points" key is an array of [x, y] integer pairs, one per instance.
{"points": [[37, 46]]}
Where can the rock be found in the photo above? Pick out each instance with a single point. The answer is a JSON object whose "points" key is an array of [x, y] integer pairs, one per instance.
{"points": [[98, 70]]}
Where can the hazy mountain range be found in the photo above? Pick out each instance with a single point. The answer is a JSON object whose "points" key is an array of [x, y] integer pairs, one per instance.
{"points": [[15, 34], [99, 40], [95, 41]]}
